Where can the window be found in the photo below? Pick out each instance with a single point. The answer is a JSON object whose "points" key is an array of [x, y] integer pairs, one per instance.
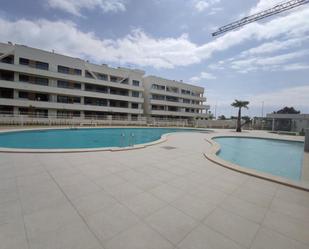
{"points": [[23, 78], [41, 81], [23, 95], [88, 74], [63, 84], [135, 83], [135, 94], [187, 101], [134, 105], [62, 69], [158, 87], [23, 61], [41, 65], [158, 97], [102, 76], [77, 72], [68, 100]]}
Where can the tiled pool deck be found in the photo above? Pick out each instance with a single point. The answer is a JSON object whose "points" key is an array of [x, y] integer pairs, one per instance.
{"points": [[164, 196]]}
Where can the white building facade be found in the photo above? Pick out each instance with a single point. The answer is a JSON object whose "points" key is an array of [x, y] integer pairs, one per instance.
{"points": [[44, 84], [52, 85], [168, 99]]}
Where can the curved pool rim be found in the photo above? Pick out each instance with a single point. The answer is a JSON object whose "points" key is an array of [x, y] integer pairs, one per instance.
{"points": [[212, 155], [162, 139]]}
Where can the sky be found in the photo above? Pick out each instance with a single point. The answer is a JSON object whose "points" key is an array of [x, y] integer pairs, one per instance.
{"points": [[266, 62]]}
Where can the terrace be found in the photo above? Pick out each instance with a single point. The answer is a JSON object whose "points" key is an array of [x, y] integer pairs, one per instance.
{"points": [[164, 196]]}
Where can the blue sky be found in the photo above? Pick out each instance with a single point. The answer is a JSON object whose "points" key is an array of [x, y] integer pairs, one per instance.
{"points": [[265, 62]]}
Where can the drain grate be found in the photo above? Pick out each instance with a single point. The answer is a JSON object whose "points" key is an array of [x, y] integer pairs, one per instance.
{"points": [[169, 147]]}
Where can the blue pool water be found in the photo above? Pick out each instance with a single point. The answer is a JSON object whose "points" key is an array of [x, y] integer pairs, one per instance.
{"points": [[277, 157], [82, 138]]}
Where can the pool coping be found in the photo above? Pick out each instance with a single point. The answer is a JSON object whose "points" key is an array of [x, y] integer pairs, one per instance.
{"points": [[162, 139], [213, 157]]}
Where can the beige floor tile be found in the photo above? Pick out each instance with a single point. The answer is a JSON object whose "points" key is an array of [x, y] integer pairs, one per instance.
{"points": [[171, 223], [72, 236], [167, 193], [140, 236], [294, 228], [94, 202], [194, 207], [123, 191], [244, 208], [50, 219], [205, 238], [144, 204], [269, 239], [233, 226], [209, 194], [12, 235], [292, 209], [111, 221], [255, 197]]}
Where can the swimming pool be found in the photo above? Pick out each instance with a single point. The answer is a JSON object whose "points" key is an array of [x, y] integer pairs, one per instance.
{"points": [[277, 157], [83, 138]]}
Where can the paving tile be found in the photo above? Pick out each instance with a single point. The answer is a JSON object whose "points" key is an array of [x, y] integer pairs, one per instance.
{"points": [[81, 189], [233, 226], [111, 221], [72, 236], [194, 207], [123, 191], [292, 209], [94, 202], [10, 211], [144, 204], [293, 228], [12, 235], [269, 239], [40, 200], [293, 195], [167, 193], [209, 194], [50, 219], [203, 237], [140, 236], [255, 197], [109, 181], [7, 195], [244, 208], [171, 223]]}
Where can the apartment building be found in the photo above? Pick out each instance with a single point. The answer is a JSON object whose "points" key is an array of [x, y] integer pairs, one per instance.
{"points": [[40, 84], [169, 99], [45, 84]]}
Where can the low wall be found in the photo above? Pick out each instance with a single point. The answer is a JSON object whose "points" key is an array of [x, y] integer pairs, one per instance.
{"points": [[222, 124]]}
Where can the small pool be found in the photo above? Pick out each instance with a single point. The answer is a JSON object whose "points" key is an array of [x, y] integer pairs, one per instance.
{"points": [[83, 138], [277, 157]]}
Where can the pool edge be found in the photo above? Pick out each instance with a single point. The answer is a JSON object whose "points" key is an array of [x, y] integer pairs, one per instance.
{"points": [[215, 148]]}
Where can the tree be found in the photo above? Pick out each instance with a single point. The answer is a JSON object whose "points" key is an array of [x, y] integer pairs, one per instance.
{"points": [[222, 117], [239, 104], [287, 110]]}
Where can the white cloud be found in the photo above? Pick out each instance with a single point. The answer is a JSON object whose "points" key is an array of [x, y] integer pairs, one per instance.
{"points": [[264, 5], [75, 6], [274, 46], [268, 63], [201, 5], [293, 96], [141, 49], [295, 67], [203, 76]]}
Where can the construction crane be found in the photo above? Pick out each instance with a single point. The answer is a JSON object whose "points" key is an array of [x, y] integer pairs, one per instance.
{"points": [[260, 15]]}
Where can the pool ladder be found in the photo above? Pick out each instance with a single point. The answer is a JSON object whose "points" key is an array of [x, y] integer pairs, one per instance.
{"points": [[131, 139]]}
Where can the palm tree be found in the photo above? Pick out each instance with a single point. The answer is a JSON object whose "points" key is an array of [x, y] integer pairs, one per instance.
{"points": [[240, 104]]}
